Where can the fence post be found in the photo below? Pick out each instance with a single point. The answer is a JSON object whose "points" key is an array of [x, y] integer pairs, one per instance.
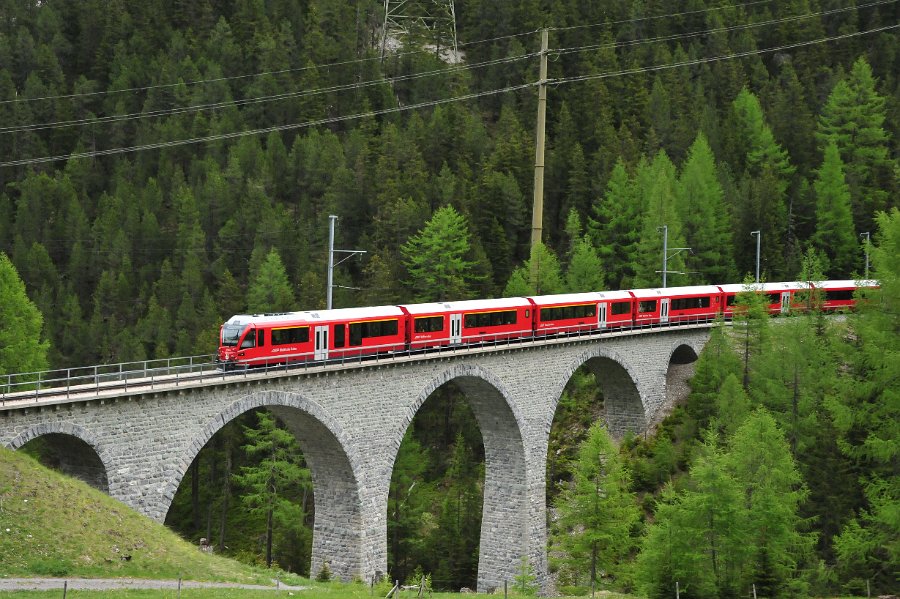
{"points": [[677, 591], [65, 588]]}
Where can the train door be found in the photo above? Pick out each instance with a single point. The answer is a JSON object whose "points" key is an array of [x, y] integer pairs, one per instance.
{"points": [[455, 329], [785, 302], [664, 310], [601, 315], [321, 349]]}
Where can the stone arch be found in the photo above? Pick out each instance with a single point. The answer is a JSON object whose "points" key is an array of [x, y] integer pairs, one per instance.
{"points": [[505, 521], [338, 537], [625, 410], [76, 452], [683, 355]]}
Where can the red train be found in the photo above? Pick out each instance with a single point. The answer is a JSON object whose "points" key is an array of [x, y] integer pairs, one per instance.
{"points": [[351, 333]]}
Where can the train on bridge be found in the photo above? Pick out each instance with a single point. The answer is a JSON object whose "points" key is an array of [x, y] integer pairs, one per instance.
{"points": [[353, 333]]}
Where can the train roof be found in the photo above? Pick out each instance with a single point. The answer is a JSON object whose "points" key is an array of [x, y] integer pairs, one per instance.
{"points": [[765, 287], [579, 298], [673, 291], [844, 284], [466, 305], [312, 317]]}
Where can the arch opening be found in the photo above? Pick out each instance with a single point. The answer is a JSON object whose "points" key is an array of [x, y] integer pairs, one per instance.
{"points": [[436, 500], [315, 521], [248, 494], [682, 364], [70, 455]]}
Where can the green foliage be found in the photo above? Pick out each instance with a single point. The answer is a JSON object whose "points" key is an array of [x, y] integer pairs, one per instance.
{"points": [[834, 224], [271, 290], [597, 512], [539, 275], [436, 258], [21, 346]]}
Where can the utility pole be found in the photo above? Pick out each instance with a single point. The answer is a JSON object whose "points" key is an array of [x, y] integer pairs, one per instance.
{"points": [[758, 235], [666, 255], [866, 248], [331, 220], [537, 212]]}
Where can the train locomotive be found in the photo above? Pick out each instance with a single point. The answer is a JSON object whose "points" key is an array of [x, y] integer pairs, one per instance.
{"points": [[248, 340]]}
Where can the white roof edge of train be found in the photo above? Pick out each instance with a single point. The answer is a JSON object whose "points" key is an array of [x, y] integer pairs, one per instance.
{"points": [[574, 298], [314, 316], [478, 304], [669, 291]]}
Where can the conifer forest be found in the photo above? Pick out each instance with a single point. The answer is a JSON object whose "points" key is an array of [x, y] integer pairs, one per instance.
{"points": [[166, 164]]}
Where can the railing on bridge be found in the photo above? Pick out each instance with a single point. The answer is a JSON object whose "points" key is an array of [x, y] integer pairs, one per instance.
{"points": [[88, 382]]}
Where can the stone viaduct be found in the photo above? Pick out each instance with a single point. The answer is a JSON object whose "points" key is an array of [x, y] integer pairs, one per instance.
{"points": [[138, 445]]}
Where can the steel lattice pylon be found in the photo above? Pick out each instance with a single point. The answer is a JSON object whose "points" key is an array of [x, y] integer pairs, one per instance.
{"points": [[433, 21]]}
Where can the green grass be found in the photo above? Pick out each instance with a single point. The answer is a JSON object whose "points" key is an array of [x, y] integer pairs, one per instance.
{"points": [[55, 526]]}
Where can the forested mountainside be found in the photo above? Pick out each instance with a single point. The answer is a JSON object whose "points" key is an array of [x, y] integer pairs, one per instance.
{"points": [[141, 244]]}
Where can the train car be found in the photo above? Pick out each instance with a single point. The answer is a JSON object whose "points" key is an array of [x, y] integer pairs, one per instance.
{"points": [[781, 297], [268, 339], [439, 324], [839, 295], [699, 303], [577, 312]]}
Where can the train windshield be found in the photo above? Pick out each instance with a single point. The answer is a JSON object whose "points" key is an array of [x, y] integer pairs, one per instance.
{"points": [[231, 333]]}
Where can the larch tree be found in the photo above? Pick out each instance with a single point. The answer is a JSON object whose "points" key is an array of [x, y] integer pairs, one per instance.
{"points": [[835, 234], [271, 290], [707, 221], [867, 416], [539, 275], [611, 226], [597, 512], [853, 118], [274, 483], [437, 258], [21, 346]]}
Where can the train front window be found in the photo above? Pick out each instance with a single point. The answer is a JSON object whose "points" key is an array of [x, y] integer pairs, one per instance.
{"points": [[230, 334]]}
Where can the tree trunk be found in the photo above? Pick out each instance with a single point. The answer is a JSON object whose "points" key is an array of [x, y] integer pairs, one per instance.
{"points": [[226, 495], [195, 492]]}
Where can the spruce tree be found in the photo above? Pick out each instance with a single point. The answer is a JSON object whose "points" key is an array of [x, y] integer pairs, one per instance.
{"points": [[835, 234]]}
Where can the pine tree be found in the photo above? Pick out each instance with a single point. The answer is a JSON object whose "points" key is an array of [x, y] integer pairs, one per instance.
{"points": [[835, 234], [585, 272], [540, 275]]}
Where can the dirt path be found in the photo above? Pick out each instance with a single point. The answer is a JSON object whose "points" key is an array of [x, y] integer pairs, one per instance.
{"points": [[108, 584]]}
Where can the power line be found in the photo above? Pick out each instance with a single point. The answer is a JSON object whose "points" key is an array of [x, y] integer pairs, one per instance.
{"points": [[360, 85], [288, 127], [359, 60], [260, 99], [464, 97], [678, 36], [687, 63], [656, 17]]}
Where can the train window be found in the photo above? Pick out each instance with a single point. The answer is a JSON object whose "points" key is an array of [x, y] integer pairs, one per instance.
{"points": [[231, 334], [490, 319], [429, 324], [372, 328], [838, 295], [647, 306], [339, 335], [288, 335], [260, 337], [774, 298], [729, 301], [249, 341], [569, 312], [619, 308], [690, 303]]}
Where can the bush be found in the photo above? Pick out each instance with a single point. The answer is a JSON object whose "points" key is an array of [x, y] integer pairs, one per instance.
{"points": [[324, 574]]}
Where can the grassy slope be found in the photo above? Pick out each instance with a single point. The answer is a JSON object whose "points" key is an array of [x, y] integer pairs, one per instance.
{"points": [[52, 525]]}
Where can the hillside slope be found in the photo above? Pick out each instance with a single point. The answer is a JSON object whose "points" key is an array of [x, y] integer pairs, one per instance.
{"points": [[54, 525]]}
